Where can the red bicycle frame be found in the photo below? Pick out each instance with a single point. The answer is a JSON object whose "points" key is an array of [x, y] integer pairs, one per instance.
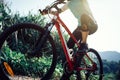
{"points": [[58, 21]]}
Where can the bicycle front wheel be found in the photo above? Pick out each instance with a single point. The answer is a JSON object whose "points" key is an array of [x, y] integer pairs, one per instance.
{"points": [[16, 44], [97, 72]]}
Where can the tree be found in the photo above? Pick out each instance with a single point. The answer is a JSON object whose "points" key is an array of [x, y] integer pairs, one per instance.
{"points": [[4, 13], [118, 72], [7, 19]]}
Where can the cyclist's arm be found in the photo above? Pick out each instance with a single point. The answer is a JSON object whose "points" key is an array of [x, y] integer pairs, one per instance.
{"points": [[65, 7]]}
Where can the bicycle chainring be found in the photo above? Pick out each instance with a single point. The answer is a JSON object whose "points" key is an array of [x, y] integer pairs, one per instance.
{"points": [[66, 68]]}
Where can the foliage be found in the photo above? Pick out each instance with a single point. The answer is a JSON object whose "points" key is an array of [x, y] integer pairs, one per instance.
{"points": [[17, 60], [118, 75], [22, 65], [7, 18], [59, 45], [109, 76], [111, 70], [58, 72], [4, 10]]}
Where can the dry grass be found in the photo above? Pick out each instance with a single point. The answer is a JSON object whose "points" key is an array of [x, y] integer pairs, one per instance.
{"points": [[23, 78]]}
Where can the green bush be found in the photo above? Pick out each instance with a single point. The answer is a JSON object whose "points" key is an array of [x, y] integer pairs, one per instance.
{"points": [[22, 65]]}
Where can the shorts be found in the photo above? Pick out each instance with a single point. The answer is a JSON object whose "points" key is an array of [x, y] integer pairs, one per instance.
{"points": [[91, 24]]}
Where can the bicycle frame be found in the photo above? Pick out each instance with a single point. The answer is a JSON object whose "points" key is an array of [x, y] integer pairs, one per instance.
{"points": [[57, 22], [65, 48]]}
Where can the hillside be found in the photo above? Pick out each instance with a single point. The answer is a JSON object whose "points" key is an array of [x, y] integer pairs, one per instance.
{"points": [[110, 55]]}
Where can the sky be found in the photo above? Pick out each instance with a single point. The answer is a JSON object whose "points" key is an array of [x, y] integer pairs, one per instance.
{"points": [[106, 13]]}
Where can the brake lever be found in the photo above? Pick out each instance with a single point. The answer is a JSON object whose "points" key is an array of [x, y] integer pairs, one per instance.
{"points": [[40, 11], [43, 12]]}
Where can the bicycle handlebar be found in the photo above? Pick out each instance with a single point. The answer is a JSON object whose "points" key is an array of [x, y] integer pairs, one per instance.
{"points": [[53, 5]]}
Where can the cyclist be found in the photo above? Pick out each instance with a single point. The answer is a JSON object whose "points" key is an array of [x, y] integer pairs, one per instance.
{"points": [[86, 22]]}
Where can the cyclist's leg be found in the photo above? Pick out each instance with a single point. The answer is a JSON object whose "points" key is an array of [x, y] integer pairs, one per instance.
{"points": [[71, 43], [77, 35], [80, 33], [84, 29], [88, 26]]}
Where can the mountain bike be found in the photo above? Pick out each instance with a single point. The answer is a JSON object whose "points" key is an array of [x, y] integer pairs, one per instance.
{"points": [[32, 52]]}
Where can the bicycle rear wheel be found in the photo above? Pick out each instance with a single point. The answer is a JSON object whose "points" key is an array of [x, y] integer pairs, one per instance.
{"points": [[16, 44], [97, 73]]}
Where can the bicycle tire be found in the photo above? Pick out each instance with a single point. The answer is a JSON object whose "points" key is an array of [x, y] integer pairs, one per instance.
{"points": [[81, 75], [89, 75], [24, 32]]}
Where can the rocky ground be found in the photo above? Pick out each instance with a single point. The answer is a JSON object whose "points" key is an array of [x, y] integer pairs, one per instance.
{"points": [[23, 78]]}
